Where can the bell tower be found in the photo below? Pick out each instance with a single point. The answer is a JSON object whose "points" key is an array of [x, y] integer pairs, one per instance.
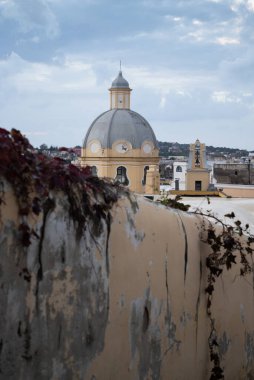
{"points": [[198, 172], [120, 93]]}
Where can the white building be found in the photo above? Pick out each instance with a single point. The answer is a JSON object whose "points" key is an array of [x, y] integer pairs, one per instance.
{"points": [[179, 173]]}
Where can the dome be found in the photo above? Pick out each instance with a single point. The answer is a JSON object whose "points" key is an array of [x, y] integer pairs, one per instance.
{"points": [[120, 124], [120, 82]]}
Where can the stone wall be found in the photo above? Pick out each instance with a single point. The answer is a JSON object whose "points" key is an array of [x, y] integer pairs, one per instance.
{"points": [[123, 300], [234, 173]]}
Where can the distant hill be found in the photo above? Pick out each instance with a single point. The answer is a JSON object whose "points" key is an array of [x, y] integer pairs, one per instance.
{"points": [[171, 149]]}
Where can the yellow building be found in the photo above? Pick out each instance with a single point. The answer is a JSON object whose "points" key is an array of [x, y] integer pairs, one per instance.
{"points": [[198, 173], [120, 144]]}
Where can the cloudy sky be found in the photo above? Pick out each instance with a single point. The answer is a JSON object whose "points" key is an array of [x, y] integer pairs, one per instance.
{"points": [[190, 64]]}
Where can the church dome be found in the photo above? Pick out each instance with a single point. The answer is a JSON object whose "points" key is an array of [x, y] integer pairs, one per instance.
{"points": [[120, 124], [120, 144], [120, 82]]}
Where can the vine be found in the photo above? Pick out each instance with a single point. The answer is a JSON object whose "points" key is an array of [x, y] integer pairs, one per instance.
{"points": [[226, 246], [34, 177], [174, 203]]}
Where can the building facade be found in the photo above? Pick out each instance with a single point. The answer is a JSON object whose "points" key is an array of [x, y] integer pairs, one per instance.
{"points": [[198, 172], [120, 144], [179, 173], [234, 173]]}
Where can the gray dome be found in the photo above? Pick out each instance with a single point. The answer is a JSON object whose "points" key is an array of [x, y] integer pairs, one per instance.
{"points": [[120, 82], [120, 124]]}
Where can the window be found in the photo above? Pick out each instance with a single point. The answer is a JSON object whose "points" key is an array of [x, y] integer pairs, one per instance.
{"points": [[179, 169], [146, 168], [94, 171], [198, 185], [121, 175]]}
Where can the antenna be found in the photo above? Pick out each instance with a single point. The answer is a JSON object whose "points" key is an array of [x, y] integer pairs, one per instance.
{"points": [[120, 65]]}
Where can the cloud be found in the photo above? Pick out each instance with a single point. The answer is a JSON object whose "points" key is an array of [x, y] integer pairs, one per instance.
{"points": [[173, 18], [169, 81], [237, 4], [215, 32], [197, 22], [162, 102], [178, 26], [68, 77], [215, 1], [31, 16], [55, 101], [188, 62], [238, 71], [227, 41], [152, 35], [224, 97]]}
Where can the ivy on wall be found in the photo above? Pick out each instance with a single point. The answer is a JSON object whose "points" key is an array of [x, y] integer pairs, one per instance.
{"points": [[34, 177], [230, 243]]}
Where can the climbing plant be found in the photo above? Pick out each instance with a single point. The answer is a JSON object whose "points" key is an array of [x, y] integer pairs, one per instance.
{"points": [[34, 177], [230, 242], [174, 203], [227, 248]]}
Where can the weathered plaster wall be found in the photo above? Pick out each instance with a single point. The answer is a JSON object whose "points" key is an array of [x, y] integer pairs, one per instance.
{"points": [[125, 301], [54, 297], [238, 192], [234, 173]]}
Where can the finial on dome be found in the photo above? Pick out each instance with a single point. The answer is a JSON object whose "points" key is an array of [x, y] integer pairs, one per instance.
{"points": [[120, 81]]}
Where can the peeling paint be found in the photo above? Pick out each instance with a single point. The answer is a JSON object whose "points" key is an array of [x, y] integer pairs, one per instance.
{"points": [[146, 337], [171, 333], [242, 312], [135, 236], [249, 348], [64, 292], [169, 324], [102, 311], [122, 301], [185, 317], [60, 325], [224, 344]]}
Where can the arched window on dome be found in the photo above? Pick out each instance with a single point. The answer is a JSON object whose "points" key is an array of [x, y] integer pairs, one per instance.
{"points": [[179, 169], [94, 171], [146, 168], [121, 175]]}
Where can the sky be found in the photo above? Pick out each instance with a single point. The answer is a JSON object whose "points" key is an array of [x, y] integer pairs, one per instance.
{"points": [[190, 64]]}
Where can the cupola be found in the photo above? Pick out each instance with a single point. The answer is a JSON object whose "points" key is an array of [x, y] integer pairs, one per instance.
{"points": [[120, 93]]}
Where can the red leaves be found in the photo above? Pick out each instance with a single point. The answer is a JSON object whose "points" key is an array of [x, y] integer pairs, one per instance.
{"points": [[19, 138], [4, 132], [36, 206], [31, 173], [25, 234]]}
